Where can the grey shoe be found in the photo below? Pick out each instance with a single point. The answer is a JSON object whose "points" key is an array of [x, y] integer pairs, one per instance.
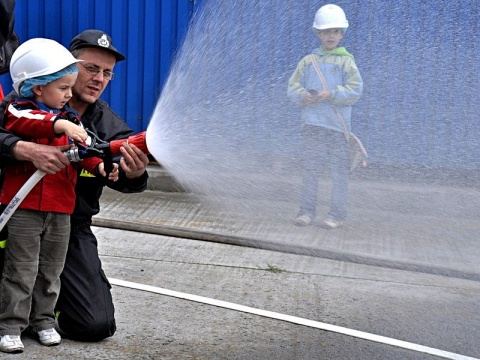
{"points": [[303, 220], [49, 337], [11, 344]]}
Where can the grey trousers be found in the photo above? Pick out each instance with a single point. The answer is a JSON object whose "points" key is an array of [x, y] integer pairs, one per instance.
{"points": [[34, 259]]}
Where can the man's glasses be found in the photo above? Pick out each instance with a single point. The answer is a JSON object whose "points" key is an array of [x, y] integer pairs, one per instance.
{"points": [[93, 70]]}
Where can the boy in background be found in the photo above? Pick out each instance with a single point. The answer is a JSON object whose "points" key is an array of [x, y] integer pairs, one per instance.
{"points": [[323, 137]]}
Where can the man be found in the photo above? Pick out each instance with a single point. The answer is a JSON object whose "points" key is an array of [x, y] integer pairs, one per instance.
{"points": [[85, 308]]}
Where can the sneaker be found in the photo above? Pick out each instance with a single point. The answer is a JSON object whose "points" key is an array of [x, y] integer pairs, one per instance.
{"points": [[11, 344], [303, 220], [331, 223], [49, 337]]}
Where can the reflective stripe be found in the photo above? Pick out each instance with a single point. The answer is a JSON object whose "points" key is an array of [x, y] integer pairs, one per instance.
{"points": [[85, 173], [3, 244]]}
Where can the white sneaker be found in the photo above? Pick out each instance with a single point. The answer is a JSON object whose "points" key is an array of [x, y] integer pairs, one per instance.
{"points": [[331, 223], [303, 220], [49, 337], [11, 344]]}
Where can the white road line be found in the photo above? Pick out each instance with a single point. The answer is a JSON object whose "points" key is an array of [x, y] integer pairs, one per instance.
{"points": [[293, 319]]}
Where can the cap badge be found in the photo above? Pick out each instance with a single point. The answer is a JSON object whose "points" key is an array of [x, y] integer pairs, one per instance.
{"points": [[103, 41]]}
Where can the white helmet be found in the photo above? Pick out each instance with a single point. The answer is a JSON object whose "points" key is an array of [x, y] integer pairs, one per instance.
{"points": [[38, 57], [330, 17]]}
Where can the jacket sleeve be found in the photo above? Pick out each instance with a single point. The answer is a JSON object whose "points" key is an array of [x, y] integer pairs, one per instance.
{"points": [[351, 90], [90, 164], [29, 123], [7, 139], [296, 83], [126, 185], [7, 143]]}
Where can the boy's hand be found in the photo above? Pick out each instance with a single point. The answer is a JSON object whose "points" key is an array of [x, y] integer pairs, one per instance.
{"points": [[310, 98], [113, 176], [324, 95], [70, 129]]}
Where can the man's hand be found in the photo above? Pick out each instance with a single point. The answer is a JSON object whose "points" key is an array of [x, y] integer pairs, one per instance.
{"points": [[134, 161], [49, 159]]}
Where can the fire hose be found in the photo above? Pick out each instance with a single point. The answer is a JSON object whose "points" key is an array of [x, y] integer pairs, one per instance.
{"points": [[96, 148]]}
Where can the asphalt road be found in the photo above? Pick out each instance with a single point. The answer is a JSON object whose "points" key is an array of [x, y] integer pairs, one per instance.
{"points": [[430, 300], [429, 310]]}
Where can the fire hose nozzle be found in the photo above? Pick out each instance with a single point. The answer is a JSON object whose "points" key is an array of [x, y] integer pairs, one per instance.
{"points": [[139, 140], [103, 149]]}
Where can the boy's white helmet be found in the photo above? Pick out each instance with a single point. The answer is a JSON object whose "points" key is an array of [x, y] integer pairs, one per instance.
{"points": [[330, 17], [37, 57]]}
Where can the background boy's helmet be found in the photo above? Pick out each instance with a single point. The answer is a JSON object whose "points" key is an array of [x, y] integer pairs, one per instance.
{"points": [[330, 17], [38, 57]]}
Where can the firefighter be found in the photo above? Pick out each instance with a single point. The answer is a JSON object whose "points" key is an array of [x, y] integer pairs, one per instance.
{"points": [[85, 308]]}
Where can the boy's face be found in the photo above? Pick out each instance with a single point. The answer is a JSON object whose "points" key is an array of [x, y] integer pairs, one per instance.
{"points": [[330, 38], [56, 93]]}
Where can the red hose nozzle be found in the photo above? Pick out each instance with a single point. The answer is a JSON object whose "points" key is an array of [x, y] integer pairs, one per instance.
{"points": [[139, 140]]}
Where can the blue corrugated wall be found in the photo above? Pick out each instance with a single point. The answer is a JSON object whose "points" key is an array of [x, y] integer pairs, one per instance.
{"points": [[418, 61], [148, 32]]}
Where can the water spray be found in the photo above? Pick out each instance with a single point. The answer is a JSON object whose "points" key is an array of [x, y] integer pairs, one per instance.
{"points": [[97, 148]]}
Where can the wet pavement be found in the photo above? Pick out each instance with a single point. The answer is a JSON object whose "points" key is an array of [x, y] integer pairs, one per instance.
{"points": [[405, 266], [422, 226]]}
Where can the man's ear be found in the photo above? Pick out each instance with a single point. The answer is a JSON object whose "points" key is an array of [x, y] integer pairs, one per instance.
{"points": [[37, 90]]}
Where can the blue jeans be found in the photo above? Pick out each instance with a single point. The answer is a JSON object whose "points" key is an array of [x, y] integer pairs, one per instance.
{"points": [[323, 147], [34, 259]]}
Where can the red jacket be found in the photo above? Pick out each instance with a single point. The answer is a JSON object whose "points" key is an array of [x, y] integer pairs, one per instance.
{"points": [[53, 193]]}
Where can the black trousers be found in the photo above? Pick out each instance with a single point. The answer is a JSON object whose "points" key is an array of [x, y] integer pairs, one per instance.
{"points": [[85, 306]]}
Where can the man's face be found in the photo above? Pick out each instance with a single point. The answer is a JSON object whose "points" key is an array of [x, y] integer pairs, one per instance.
{"points": [[94, 74]]}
